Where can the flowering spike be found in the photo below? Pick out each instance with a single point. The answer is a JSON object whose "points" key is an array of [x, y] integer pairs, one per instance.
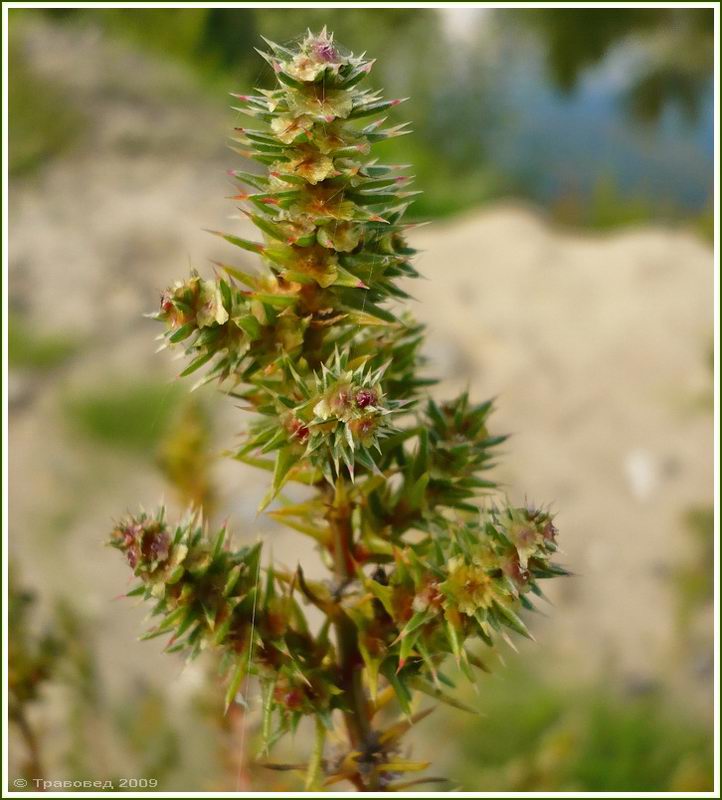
{"points": [[309, 344]]}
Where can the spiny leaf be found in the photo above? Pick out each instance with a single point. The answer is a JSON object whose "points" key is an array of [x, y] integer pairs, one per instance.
{"points": [[315, 762], [425, 687], [510, 619], [234, 684], [285, 459], [245, 244]]}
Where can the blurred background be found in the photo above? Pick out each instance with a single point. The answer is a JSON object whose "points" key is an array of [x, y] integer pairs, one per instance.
{"points": [[566, 158]]}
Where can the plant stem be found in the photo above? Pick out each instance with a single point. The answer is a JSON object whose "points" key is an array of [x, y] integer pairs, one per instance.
{"points": [[358, 718], [33, 765]]}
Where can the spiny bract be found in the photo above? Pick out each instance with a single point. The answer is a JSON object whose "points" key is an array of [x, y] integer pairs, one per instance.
{"points": [[423, 564]]}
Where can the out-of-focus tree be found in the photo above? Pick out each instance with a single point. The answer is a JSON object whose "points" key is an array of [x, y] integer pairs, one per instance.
{"points": [[419, 60], [676, 51]]}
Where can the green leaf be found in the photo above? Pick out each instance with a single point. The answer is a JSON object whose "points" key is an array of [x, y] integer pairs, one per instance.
{"points": [[232, 579], [377, 107], [407, 647], [382, 593], [236, 680], [425, 687], [417, 492], [308, 529], [182, 333], [285, 459], [273, 230], [197, 364], [419, 619], [244, 277], [314, 771], [511, 620], [453, 638], [403, 695], [267, 716], [245, 244], [250, 325], [372, 668], [218, 543]]}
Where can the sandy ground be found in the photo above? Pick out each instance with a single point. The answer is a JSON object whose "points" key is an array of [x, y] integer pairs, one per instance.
{"points": [[596, 348]]}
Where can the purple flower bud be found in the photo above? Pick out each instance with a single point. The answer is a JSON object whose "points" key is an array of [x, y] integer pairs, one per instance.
{"points": [[325, 51], [365, 397]]}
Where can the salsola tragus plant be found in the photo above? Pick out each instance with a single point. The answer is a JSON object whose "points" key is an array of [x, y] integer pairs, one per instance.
{"points": [[425, 567]]}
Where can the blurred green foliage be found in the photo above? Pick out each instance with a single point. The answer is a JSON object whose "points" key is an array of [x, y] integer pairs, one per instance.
{"points": [[704, 224], [678, 44], [131, 416], [43, 121], [32, 349], [185, 458], [146, 729], [541, 736], [609, 208], [695, 579], [456, 105], [219, 44]]}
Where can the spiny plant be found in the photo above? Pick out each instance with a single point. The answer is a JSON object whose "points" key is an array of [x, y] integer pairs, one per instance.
{"points": [[424, 563]]}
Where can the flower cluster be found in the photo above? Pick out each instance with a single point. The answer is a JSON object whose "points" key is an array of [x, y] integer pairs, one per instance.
{"points": [[330, 421], [204, 593], [466, 582], [210, 596]]}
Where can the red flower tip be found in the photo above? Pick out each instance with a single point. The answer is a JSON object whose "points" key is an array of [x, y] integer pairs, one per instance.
{"points": [[365, 397]]}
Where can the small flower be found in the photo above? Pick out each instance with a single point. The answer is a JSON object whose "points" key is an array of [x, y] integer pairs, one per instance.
{"points": [[324, 50], [468, 587], [364, 429], [318, 263], [288, 127], [298, 430], [155, 545], [429, 596], [210, 310], [366, 397], [336, 403], [145, 542], [340, 236], [311, 165], [518, 575], [532, 533]]}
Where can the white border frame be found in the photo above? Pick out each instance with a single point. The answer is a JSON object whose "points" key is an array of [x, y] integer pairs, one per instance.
{"points": [[7, 792]]}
